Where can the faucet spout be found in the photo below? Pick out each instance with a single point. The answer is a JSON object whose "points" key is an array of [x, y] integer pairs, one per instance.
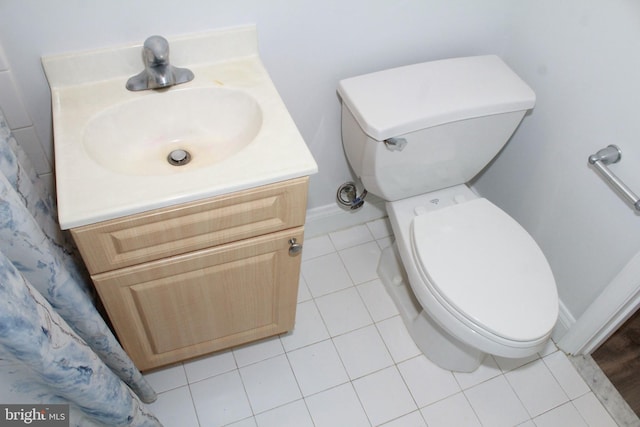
{"points": [[158, 71]]}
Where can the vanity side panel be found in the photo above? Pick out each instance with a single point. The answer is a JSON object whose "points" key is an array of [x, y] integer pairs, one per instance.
{"points": [[193, 226], [193, 304]]}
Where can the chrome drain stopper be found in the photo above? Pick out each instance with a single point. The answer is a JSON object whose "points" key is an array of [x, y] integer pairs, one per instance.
{"points": [[179, 157]]}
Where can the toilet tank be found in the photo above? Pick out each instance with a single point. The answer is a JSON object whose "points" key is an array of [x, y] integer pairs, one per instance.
{"points": [[454, 114]]}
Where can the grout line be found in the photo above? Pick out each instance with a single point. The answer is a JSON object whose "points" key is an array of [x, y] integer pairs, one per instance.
{"points": [[193, 404], [471, 406], [514, 390]]}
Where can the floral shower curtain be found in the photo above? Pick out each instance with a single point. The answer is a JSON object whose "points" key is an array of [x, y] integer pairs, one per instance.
{"points": [[47, 319]]}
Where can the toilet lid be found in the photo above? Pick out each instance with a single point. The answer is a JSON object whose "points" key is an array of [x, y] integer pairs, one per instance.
{"points": [[482, 265]]}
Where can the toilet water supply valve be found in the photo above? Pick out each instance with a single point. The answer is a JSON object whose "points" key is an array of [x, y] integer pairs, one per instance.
{"points": [[347, 196]]}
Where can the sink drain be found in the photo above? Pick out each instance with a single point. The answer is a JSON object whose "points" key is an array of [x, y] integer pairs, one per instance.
{"points": [[179, 157]]}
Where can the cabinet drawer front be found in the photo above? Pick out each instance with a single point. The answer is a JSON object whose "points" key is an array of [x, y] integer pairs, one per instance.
{"points": [[176, 230], [193, 304]]}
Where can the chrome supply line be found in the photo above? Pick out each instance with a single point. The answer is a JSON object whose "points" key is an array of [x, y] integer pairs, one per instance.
{"points": [[607, 156]]}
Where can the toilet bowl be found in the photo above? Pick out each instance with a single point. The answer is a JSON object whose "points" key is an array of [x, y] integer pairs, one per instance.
{"points": [[480, 280], [467, 278]]}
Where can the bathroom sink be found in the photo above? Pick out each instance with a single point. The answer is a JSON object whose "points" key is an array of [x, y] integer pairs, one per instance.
{"points": [[136, 137], [111, 144]]}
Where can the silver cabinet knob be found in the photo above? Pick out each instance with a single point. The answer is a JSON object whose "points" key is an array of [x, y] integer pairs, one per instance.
{"points": [[294, 247]]}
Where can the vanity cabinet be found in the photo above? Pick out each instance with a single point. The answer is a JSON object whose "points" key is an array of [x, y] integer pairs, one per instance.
{"points": [[191, 279]]}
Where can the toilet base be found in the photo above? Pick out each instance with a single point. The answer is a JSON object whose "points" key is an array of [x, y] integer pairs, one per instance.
{"points": [[435, 343]]}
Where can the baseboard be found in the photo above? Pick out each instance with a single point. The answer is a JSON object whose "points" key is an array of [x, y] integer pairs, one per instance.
{"points": [[328, 218]]}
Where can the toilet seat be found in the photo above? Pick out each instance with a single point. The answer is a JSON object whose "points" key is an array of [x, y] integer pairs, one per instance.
{"points": [[486, 270]]}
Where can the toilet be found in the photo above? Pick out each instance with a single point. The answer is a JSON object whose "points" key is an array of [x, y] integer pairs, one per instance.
{"points": [[467, 279]]}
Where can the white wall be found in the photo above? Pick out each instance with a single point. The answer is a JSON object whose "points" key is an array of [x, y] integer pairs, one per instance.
{"points": [[582, 59], [307, 46]]}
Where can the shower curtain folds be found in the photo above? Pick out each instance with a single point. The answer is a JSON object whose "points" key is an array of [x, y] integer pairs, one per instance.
{"points": [[35, 254]]}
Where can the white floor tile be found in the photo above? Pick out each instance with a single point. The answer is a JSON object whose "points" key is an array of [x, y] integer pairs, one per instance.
{"points": [[362, 262], [487, 370], [562, 416], [309, 328], [209, 366], [413, 419], [452, 411], [343, 311], [380, 228], [270, 383], [294, 414], [384, 395], [377, 300], [350, 237], [363, 351], [495, 403], [548, 349], [385, 242], [303, 290], [397, 338], [566, 374], [317, 246], [257, 351], [508, 364], [427, 382], [167, 378], [536, 387], [174, 408], [317, 367], [593, 412], [325, 274], [337, 407], [220, 400], [247, 422]]}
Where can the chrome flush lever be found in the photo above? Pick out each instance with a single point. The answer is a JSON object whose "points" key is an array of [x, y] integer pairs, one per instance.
{"points": [[395, 144]]}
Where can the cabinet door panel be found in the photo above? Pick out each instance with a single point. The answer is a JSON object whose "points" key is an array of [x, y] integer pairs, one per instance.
{"points": [[193, 304], [175, 314]]}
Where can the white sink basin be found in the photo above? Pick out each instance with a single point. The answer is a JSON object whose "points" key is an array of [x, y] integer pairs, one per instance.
{"points": [[111, 144], [137, 136]]}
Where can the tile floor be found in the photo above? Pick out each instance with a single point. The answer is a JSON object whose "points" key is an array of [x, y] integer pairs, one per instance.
{"points": [[350, 362]]}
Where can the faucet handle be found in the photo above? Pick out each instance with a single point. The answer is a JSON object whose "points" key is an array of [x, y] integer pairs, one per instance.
{"points": [[155, 51], [158, 71]]}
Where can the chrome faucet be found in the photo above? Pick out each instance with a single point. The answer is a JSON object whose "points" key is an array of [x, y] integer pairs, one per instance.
{"points": [[158, 72]]}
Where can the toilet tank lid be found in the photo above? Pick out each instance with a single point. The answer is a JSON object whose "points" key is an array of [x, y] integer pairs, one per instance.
{"points": [[406, 99]]}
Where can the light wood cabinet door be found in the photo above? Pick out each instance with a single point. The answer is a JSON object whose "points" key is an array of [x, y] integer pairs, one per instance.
{"points": [[189, 305]]}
